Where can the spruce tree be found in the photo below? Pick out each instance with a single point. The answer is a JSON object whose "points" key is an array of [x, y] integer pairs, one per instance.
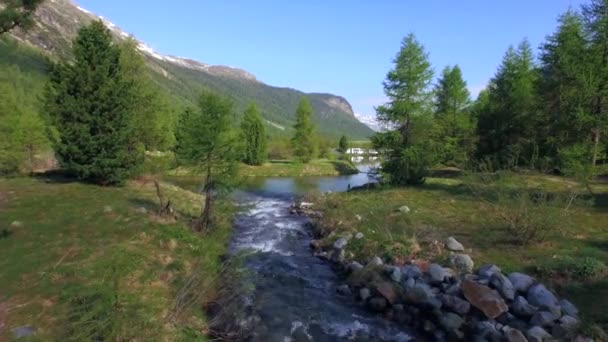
{"points": [[343, 144], [254, 136], [303, 142], [207, 142], [454, 127], [90, 103], [407, 152]]}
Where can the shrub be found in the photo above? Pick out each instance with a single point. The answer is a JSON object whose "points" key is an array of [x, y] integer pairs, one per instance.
{"points": [[579, 268]]}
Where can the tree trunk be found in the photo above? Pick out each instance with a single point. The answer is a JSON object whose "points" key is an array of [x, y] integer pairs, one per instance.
{"points": [[596, 143]]}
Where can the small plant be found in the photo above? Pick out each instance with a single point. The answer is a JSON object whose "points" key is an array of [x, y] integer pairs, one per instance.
{"points": [[582, 269]]}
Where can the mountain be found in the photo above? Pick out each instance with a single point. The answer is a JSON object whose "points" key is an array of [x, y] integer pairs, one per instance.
{"points": [[58, 21], [369, 121]]}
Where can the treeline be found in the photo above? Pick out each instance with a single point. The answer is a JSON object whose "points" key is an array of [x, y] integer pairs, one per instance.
{"points": [[547, 112]]}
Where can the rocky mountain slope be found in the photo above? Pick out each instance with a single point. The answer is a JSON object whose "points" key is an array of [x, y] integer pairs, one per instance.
{"points": [[58, 21]]}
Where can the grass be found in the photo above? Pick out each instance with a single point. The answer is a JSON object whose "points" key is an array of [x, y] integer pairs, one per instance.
{"points": [[77, 271], [447, 207]]}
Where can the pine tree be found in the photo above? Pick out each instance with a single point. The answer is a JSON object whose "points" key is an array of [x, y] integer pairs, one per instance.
{"points": [[303, 142], [564, 87], [343, 144], [407, 153], [90, 103], [207, 141], [17, 13], [596, 25], [254, 136], [455, 127], [508, 128]]}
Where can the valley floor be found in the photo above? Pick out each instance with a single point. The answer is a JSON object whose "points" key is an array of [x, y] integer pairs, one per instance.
{"points": [[402, 221], [82, 262]]}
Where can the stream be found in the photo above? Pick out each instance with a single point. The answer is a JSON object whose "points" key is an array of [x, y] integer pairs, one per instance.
{"points": [[294, 296]]}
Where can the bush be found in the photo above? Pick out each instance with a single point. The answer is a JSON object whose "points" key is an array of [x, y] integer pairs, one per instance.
{"points": [[583, 269]]}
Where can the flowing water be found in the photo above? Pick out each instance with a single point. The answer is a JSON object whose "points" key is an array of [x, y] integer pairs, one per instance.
{"points": [[294, 296]]}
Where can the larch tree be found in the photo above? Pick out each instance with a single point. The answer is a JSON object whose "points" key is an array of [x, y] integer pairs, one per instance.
{"points": [[254, 137], [303, 140], [90, 103], [207, 141], [406, 150]]}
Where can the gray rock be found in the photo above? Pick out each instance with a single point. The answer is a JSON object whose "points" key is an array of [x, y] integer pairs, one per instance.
{"points": [[375, 261], [537, 334], [486, 271], [354, 266], [24, 331], [338, 255], [454, 289], [378, 304], [396, 275], [522, 308], [514, 335], [522, 282], [420, 294], [341, 243], [453, 303], [359, 236], [344, 290], [437, 273], [453, 245], [568, 322], [451, 321], [411, 271], [404, 209], [107, 209], [568, 308], [542, 319], [503, 285], [364, 293], [539, 295], [566, 328], [462, 263], [408, 283], [555, 310], [299, 334], [141, 210]]}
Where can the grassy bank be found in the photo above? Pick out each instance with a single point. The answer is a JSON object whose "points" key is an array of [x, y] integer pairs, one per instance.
{"points": [[570, 257], [82, 262]]}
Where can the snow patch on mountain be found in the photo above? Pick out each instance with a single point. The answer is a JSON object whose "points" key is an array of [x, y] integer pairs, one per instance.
{"points": [[369, 120]]}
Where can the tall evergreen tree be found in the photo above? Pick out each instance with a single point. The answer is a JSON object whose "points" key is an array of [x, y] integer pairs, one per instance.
{"points": [[508, 127], [596, 24], [207, 141], [343, 144], [455, 129], [303, 142], [17, 13], [90, 103], [254, 137], [406, 150], [564, 87]]}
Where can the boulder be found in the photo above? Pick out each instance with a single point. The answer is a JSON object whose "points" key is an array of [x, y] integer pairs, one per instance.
{"points": [[462, 263], [522, 308], [484, 299], [437, 274], [404, 209], [23, 332], [539, 295], [344, 290], [486, 271], [566, 328], [537, 334], [503, 285], [421, 294], [450, 321], [522, 282], [455, 304], [354, 266], [542, 319], [514, 335], [411, 271], [387, 291], [375, 261], [364, 293], [453, 245], [359, 236], [395, 274], [378, 304], [338, 256], [568, 308], [340, 243]]}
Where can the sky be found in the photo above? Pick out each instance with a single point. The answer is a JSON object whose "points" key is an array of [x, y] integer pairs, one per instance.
{"points": [[343, 47]]}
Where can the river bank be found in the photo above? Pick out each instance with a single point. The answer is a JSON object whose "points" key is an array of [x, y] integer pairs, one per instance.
{"points": [[401, 225], [70, 250]]}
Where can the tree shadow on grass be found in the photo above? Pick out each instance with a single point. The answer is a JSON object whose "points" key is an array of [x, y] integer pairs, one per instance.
{"points": [[152, 207], [279, 161], [58, 177]]}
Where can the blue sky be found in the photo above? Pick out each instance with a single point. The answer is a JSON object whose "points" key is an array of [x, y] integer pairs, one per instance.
{"points": [[344, 47]]}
